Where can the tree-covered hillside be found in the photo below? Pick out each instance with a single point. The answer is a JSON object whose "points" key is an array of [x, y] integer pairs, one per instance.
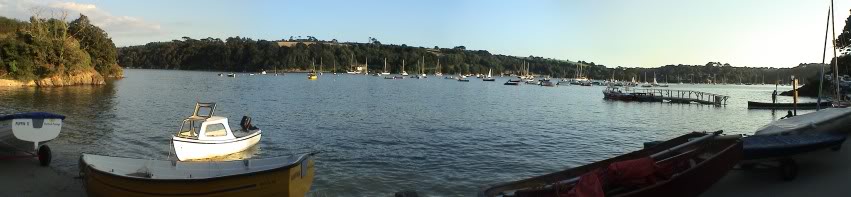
{"points": [[247, 55], [41, 48]]}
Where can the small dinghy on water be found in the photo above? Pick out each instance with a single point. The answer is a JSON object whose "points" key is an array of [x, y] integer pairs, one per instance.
{"points": [[276, 176], [204, 136], [684, 166], [25, 131], [834, 120]]}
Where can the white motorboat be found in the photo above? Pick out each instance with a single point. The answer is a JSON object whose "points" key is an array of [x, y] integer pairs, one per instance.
{"points": [[27, 130], [204, 136]]}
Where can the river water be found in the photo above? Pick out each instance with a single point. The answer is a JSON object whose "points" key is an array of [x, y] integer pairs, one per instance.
{"points": [[436, 136]]}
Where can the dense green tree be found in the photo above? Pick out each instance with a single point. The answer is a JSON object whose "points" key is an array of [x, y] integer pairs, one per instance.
{"points": [[41, 48], [97, 43]]}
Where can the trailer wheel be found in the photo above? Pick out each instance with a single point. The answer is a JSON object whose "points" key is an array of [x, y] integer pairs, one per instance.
{"points": [[836, 148], [788, 169], [44, 156], [747, 166]]}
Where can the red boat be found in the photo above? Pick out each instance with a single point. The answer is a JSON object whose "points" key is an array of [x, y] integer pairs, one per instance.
{"points": [[684, 166]]}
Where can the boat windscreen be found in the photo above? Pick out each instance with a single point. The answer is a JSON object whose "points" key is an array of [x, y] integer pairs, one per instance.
{"points": [[189, 128]]}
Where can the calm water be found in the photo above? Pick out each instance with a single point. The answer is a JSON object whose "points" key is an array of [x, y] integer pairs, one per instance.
{"points": [[437, 136]]}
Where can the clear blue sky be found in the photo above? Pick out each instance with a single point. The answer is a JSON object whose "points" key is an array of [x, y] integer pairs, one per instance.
{"points": [[777, 33]]}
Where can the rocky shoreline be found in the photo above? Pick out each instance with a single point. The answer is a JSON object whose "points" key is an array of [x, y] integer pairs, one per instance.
{"points": [[78, 78]]}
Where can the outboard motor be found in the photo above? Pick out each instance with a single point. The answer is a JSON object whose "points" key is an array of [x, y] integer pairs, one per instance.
{"points": [[245, 124]]}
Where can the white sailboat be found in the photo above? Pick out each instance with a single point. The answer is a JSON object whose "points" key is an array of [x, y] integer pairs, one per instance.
{"points": [[422, 68], [404, 73], [352, 65], [489, 77], [385, 72], [438, 73]]}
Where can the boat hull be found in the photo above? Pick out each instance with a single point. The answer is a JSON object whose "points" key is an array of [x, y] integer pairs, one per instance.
{"points": [[288, 180], [191, 149], [726, 153], [830, 120], [25, 131], [761, 105]]}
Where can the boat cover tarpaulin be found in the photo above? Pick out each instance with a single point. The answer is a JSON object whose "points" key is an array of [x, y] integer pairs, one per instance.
{"points": [[629, 173], [770, 146], [830, 120], [32, 115]]}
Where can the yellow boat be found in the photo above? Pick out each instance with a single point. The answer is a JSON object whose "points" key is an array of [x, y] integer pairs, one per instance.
{"points": [[116, 176], [312, 76]]}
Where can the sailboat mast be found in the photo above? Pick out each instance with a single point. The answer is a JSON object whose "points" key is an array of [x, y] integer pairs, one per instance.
{"points": [[385, 64], [835, 60], [823, 55]]}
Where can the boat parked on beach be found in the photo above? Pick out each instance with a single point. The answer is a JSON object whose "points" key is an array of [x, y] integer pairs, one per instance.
{"points": [[276, 176], [28, 131], [684, 166], [811, 105], [832, 120], [204, 136]]}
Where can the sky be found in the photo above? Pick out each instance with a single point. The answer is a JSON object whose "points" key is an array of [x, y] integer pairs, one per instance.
{"points": [[629, 33]]}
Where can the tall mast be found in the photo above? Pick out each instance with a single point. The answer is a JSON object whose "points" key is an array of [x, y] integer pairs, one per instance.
{"points": [[823, 55], [835, 60], [438, 65], [385, 64], [366, 66]]}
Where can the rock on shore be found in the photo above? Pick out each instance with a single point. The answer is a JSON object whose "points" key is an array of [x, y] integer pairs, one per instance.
{"points": [[77, 78]]}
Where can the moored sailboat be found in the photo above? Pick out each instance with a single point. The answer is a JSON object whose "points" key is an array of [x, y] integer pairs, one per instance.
{"points": [[489, 77]]}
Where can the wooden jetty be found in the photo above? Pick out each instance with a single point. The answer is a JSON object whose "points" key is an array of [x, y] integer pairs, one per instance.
{"points": [[676, 96]]}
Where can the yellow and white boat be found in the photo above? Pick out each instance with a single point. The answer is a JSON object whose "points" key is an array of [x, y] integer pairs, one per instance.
{"points": [[277, 176], [312, 76]]}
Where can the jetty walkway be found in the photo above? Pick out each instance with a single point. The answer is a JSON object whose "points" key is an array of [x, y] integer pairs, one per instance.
{"points": [[677, 96]]}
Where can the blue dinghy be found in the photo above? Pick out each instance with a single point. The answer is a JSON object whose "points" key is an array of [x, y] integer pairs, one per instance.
{"points": [[772, 146]]}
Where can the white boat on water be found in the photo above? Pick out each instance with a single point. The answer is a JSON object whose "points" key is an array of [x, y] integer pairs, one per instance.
{"points": [[26, 131], [836, 120], [384, 72], [404, 73], [205, 135]]}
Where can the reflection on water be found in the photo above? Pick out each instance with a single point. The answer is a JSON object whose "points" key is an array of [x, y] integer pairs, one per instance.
{"points": [[89, 112], [377, 136]]}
